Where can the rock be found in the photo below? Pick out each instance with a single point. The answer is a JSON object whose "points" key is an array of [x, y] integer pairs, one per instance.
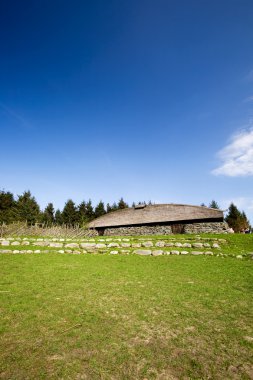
{"points": [[160, 244], [5, 242], [239, 256], [29, 251], [169, 244], [88, 245], [186, 245], [184, 252], [125, 251], [197, 245], [100, 245], [157, 252], [178, 244], [68, 250], [56, 245], [70, 245], [196, 253], [125, 239], [125, 245], [5, 251], [136, 245], [61, 251], [15, 243], [114, 252], [45, 244], [75, 252], [25, 243], [222, 241], [206, 245], [208, 253], [215, 245], [174, 252], [113, 245], [15, 251], [37, 251], [39, 239], [147, 244], [61, 239], [143, 252]]}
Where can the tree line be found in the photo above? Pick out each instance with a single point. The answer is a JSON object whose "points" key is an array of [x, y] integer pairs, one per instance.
{"points": [[25, 208]]}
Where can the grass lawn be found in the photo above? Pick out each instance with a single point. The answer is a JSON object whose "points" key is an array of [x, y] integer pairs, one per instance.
{"points": [[126, 317]]}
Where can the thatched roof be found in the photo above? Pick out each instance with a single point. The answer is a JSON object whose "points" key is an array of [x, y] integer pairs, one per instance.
{"points": [[155, 214]]}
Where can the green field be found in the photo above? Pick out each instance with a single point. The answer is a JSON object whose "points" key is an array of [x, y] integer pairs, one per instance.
{"points": [[101, 316]]}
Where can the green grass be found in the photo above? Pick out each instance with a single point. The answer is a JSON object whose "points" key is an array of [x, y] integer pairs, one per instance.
{"points": [[127, 317]]}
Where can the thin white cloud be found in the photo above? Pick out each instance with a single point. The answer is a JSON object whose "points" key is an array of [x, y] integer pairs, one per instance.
{"points": [[249, 76], [248, 99], [9, 111], [237, 157]]}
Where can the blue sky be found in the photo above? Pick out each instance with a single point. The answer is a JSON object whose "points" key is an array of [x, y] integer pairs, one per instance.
{"points": [[149, 100]]}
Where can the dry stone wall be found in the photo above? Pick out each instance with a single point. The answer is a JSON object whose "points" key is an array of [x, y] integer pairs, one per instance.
{"points": [[191, 228], [138, 230], [214, 228]]}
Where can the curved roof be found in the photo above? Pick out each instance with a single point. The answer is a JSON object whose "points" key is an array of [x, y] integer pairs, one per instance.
{"points": [[161, 213]]}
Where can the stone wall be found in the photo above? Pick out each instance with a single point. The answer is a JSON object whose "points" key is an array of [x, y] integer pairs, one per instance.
{"points": [[214, 228], [191, 228], [142, 230]]}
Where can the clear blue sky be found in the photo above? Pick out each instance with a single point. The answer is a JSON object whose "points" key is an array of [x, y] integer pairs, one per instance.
{"points": [[149, 100]]}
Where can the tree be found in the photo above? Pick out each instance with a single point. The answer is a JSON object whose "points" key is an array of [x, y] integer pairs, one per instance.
{"points": [[99, 210], [69, 213], [82, 213], [203, 205], [214, 204], [108, 208], [133, 205], [89, 211], [48, 214], [122, 204], [58, 217], [27, 208], [7, 204], [236, 220], [114, 207]]}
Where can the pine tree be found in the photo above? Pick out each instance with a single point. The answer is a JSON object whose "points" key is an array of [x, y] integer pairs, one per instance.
{"points": [[58, 217], [82, 213], [114, 206], [48, 214], [89, 211], [27, 208], [236, 220], [133, 205], [214, 204], [7, 204], [99, 210], [69, 213], [122, 204], [108, 208]]}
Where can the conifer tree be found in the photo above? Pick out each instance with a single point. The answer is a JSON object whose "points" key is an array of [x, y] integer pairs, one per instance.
{"points": [[108, 208], [27, 208], [236, 220], [48, 214], [99, 210], [89, 210], [214, 204], [7, 204], [58, 217], [69, 213], [122, 204]]}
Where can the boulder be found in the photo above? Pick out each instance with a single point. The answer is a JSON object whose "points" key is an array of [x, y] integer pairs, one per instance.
{"points": [[157, 252], [196, 253], [5, 242], [184, 252], [174, 252], [113, 245], [143, 252], [15, 243], [197, 245], [114, 252], [88, 245], [187, 245], [147, 244], [178, 244], [125, 245], [100, 245], [160, 244], [70, 245]]}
